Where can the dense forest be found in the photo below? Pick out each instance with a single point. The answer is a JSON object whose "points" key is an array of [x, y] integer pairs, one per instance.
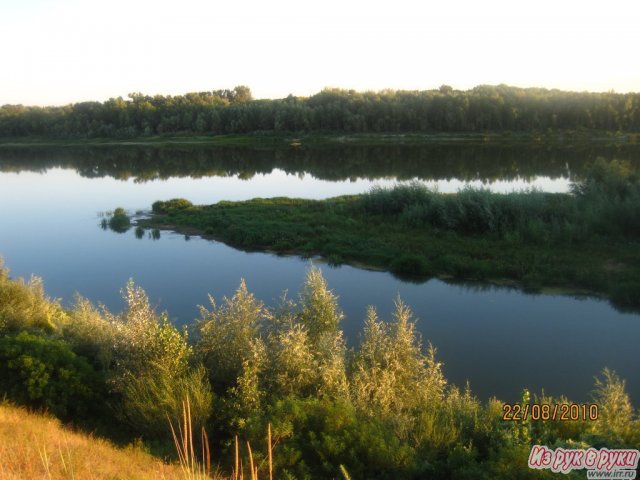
{"points": [[384, 410], [482, 109]]}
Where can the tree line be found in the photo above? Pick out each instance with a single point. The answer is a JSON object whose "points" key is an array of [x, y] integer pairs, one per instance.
{"points": [[485, 108]]}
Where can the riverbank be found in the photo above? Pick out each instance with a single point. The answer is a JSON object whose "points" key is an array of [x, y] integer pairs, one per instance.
{"points": [[293, 139], [579, 244]]}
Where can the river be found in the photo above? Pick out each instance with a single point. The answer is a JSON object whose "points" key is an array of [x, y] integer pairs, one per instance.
{"points": [[500, 340]]}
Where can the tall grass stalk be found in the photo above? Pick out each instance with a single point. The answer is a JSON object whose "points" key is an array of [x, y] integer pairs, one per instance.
{"points": [[44, 458], [191, 468], [344, 472], [254, 470], [270, 452], [66, 461]]}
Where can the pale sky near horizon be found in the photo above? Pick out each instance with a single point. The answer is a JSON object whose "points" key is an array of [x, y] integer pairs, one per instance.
{"points": [[61, 51]]}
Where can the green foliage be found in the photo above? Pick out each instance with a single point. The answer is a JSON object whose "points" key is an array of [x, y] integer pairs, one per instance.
{"points": [[90, 334], [151, 369], [24, 305], [411, 266], [292, 363], [617, 424], [320, 312], [157, 394], [469, 212], [144, 340], [44, 373], [317, 436], [119, 221], [174, 204], [226, 336], [320, 316], [392, 377]]}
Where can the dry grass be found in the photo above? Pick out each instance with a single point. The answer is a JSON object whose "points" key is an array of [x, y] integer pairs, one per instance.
{"points": [[35, 446], [38, 447]]}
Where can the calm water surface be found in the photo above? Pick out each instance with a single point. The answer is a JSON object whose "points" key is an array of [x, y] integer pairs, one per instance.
{"points": [[501, 340]]}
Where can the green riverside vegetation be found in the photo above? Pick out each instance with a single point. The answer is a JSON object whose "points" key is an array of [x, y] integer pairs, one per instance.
{"points": [[384, 410], [586, 241]]}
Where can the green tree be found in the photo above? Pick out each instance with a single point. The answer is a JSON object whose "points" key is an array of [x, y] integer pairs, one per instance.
{"points": [[226, 335], [392, 377], [321, 317], [152, 370]]}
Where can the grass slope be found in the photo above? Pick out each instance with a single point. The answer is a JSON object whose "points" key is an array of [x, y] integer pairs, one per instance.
{"points": [[36, 446]]}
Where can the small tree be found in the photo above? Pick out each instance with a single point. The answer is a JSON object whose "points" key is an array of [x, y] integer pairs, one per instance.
{"points": [[391, 375], [226, 336], [617, 422], [24, 305], [292, 367], [90, 333], [320, 312], [152, 371], [321, 317]]}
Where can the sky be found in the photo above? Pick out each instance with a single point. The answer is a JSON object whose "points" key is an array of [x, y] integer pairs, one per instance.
{"points": [[54, 52]]}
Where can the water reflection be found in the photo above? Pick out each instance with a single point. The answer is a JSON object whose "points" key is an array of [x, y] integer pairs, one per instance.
{"points": [[461, 162]]}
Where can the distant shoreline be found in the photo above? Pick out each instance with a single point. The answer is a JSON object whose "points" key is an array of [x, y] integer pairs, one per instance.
{"points": [[293, 139]]}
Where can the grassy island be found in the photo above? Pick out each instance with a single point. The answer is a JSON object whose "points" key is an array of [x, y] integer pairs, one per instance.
{"points": [[586, 241]]}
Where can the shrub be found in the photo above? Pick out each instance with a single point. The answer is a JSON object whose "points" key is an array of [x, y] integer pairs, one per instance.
{"points": [[90, 334], [391, 375], [320, 435], [151, 367], [120, 221], [617, 424], [43, 373], [174, 204], [149, 398], [226, 335], [390, 201], [24, 306]]}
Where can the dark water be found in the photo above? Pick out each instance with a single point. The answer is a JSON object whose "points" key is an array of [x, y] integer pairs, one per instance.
{"points": [[500, 340]]}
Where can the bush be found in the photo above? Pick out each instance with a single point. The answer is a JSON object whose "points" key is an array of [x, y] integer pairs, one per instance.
{"points": [[120, 221], [174, 204], [151, 368], [151, 398], [24, 306], [43, 373], [617, 424], [389, 201], [90, 334], [226, 335], [320, 435]]}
